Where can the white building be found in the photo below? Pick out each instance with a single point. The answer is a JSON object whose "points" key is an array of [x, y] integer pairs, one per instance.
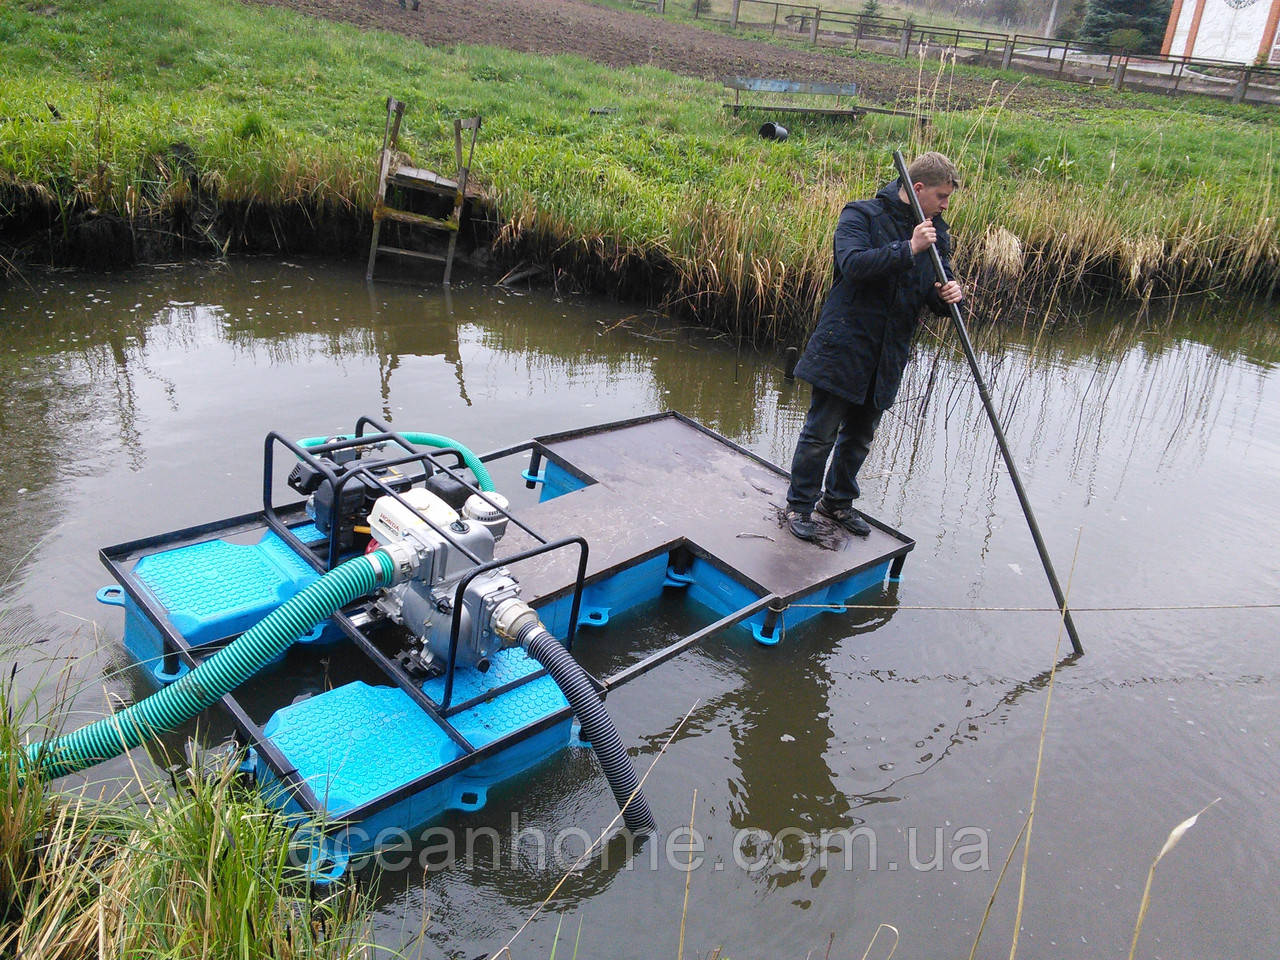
{"points": [[1240, 30]]}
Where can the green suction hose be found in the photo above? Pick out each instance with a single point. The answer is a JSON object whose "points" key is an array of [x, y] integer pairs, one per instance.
{"points": [[483, 479], [210, 681]]}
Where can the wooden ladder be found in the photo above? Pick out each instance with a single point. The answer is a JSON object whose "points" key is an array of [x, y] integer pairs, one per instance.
{"points": [[391, 173]]}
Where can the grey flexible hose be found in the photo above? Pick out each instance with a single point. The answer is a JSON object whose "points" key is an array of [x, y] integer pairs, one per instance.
{"points": [[597, 728]]}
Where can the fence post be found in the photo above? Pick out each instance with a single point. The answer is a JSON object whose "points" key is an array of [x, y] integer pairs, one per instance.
{"points": [[774, 29], [857, 38], [733, 15], [813, 31], [1062, 64], [1008, 53], [1242, 87], [1122, 63], [662, 6], [905, 43]]}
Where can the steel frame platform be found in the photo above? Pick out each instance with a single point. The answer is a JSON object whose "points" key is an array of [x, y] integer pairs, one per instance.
{"points": [[665, 505]]}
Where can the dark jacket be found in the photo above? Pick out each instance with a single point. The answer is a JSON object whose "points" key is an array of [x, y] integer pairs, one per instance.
{"points": [[863, 338]]}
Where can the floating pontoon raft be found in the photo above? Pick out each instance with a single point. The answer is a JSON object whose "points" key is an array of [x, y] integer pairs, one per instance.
{"points": [[642, 507]]}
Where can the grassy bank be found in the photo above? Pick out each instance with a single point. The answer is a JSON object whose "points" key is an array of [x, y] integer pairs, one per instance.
{"points": [[159, 106], [193, 867]]}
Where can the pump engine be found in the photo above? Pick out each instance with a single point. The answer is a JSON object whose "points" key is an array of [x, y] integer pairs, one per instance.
{"points": [[338, 501], [439, 546]]}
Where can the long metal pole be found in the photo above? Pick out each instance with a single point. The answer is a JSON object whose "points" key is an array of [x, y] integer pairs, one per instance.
{"points": [[963, 333]]}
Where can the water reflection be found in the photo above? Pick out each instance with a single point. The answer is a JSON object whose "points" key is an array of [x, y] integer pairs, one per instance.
{"points": [[136, 405]]}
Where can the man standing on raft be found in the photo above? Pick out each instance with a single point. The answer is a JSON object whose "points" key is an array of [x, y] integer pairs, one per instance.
{"points": [[855, 358]]}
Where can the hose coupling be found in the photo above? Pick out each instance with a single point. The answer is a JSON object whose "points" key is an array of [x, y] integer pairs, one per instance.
{"points": [[407, 558], [510, 617]]}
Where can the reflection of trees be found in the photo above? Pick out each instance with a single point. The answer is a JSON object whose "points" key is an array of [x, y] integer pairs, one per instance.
{"points": [[1149, 391], [64, 377], [691, 371], [338, 317]]}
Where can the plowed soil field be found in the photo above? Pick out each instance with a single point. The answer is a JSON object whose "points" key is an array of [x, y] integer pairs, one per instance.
{"points": [[623, 38]]}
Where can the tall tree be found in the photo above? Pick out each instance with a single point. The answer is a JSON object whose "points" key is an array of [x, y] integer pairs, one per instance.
{"points": [[1104, 19], [1070, 17]]}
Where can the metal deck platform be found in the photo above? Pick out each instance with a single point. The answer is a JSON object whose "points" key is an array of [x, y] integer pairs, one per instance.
{"points": [[664, 482]]}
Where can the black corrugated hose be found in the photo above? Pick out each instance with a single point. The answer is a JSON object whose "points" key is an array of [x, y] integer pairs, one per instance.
{"points": [[597, 729]]}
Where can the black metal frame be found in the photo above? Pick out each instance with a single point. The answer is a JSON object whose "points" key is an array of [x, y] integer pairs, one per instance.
{"points": [[282, 519], [429, 461]]}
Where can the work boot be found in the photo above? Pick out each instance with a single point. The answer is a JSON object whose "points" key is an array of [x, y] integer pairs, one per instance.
{"points": [[801, 525], [847, 517]]}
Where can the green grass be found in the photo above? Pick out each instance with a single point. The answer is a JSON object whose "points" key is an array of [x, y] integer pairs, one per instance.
{"points": [[195, 867], [276, 109]]}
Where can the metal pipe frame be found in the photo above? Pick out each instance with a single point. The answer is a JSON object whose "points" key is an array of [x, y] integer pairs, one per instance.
{"points": [[456, 624]]}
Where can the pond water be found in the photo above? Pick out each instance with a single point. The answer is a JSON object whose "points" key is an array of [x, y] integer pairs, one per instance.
{"points": [[888, 754]]}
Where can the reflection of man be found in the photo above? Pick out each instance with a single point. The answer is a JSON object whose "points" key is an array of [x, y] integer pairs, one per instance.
{"points": [[855, 358]]}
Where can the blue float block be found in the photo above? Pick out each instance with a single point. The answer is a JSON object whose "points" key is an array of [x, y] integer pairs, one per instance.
{"points": [[216, 589], [355, 743], [517, 708], [505, 666], [712, 587], [608, 598], [557, 481]]}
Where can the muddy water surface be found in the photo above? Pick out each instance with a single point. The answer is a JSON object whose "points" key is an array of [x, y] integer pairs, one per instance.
{"points": [[874, 767]]}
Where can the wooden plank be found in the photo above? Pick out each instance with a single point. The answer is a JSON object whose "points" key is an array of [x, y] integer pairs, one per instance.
{"points": [[416, 178], [923, 117], [406, 216], [852, 112], [764, 85], [415, 254]]}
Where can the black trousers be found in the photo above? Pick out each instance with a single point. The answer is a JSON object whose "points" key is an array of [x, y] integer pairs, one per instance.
{"points": [[832, 421]]}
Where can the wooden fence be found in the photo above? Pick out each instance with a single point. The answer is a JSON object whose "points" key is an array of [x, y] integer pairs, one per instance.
{"points": [[1094, 64]]}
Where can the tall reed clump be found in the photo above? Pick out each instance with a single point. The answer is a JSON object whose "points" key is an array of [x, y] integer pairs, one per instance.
{"points": [[197, 867]]}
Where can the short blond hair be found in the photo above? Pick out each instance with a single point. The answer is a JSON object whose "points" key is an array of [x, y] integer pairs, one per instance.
{"points": [[933, 170]]}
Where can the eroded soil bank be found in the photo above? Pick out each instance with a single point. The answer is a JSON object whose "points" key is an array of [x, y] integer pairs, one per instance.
{"points": [[36, 233]]}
